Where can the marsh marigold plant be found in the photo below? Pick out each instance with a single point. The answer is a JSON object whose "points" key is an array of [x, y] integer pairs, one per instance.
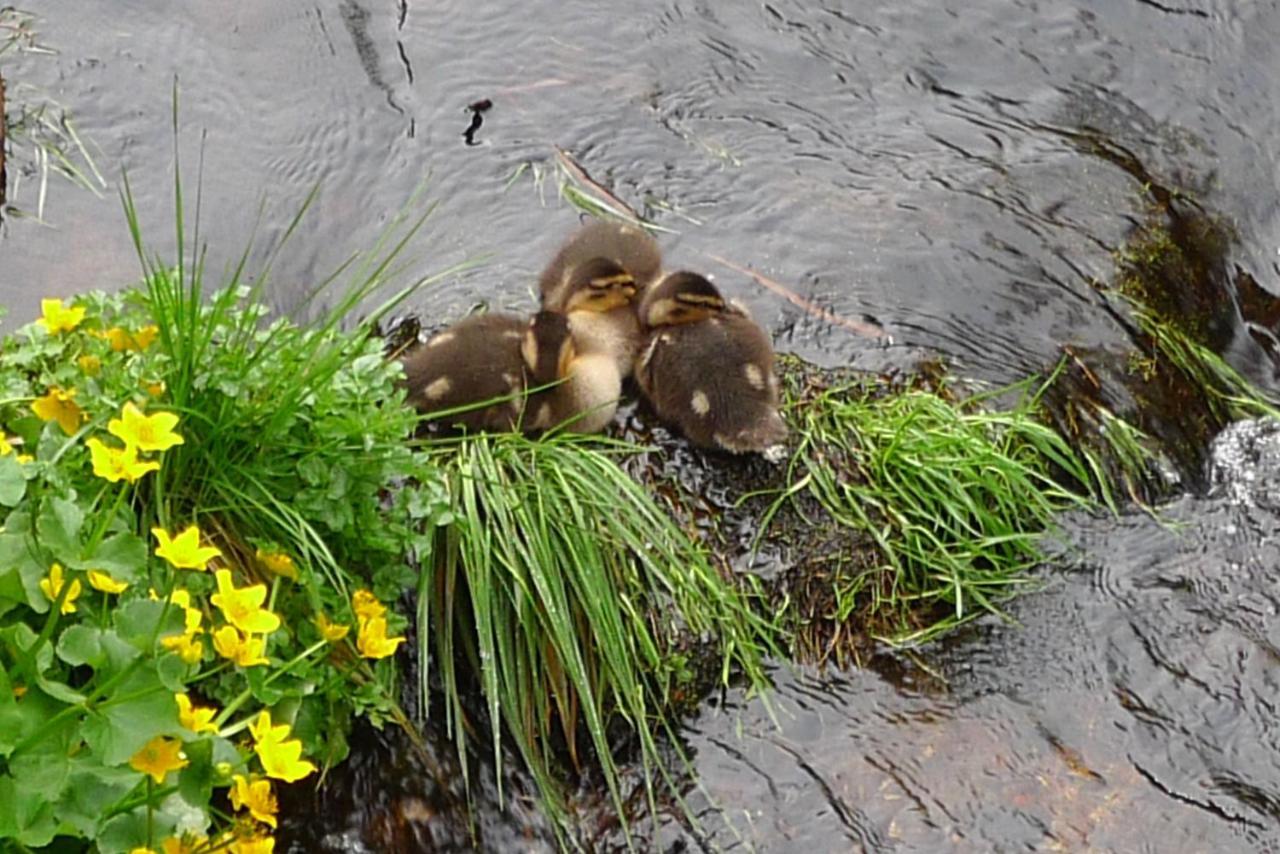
{"points": [[172, 527]]}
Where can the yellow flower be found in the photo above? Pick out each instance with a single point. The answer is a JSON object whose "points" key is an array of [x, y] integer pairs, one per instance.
{"points": [[244, 651], [158, 757], [19, 691], [279, 563], [186, 646], [372, 640], [122, 340], [256, 796], [184, 551], [145, 432], [264, 731], [188, 844], [182, 598], [141, 851], [90, 364], [52, 586], [366, 605], [6, 448], [155, 389], [253, 845], [59, 319], [116, 464], [243, 607], [330, 631], [57, 405], [103, 581], [195, 718], [144, 336], [119, 338], [280, 755]]}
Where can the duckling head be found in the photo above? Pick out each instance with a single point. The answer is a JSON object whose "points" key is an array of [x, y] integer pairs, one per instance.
{"points": [[681, 297], [599, 284], [548, 348]]}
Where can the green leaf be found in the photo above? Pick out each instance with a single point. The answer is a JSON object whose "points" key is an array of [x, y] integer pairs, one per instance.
{"points": [[266, 693], [81, 644], [19, 552], [173, 672], [59, 528], [124, 832], [25, 815], [101, 649], [45, 768], [12, 483], [139, 622], [314, 470], [323, 726], [11, 591], [195, 782], [338, 484], [122, 555], [92, 789], [18, 640], [31, 717], [60, 690], [172, 816], [118, 728]]}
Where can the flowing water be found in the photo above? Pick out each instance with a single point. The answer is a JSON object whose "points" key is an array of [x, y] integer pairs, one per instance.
{"points": [[962, 173]]}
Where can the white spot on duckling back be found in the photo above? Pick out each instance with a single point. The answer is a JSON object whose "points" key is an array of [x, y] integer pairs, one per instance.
{"points": [[437, 389], [755, 377], [701, 405], [513, 333], [442, 338], [512, 381], [542, 420]]}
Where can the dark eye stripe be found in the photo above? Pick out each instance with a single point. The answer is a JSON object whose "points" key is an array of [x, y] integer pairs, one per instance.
{"points": [[700, 300], [610, 281]]}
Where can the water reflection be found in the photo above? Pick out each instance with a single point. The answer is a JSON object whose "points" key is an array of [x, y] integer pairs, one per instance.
{"points": [[915, 162], [899, 162], [1129, 708]]}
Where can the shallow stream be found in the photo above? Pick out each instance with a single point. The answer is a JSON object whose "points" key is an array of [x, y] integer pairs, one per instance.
{"points": [[961, 173]]}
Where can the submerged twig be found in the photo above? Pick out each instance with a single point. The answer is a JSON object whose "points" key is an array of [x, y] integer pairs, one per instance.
{"points": [[580, 175], [857, 327], [4, 177], [590, 196]]}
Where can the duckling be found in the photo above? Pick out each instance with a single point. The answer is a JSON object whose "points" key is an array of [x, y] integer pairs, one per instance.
{"points": [[474, 360], [586, 387], [630, 248], [594, 278], [708, 368]]}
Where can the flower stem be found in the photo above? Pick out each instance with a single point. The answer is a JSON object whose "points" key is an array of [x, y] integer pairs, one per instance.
{"points": [[244, 695], [150, 808], [105, 521]]}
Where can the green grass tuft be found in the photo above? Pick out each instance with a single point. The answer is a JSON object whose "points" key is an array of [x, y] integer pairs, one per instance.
{"points": [[954, 500], [1226, 394], [567, 588]]}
